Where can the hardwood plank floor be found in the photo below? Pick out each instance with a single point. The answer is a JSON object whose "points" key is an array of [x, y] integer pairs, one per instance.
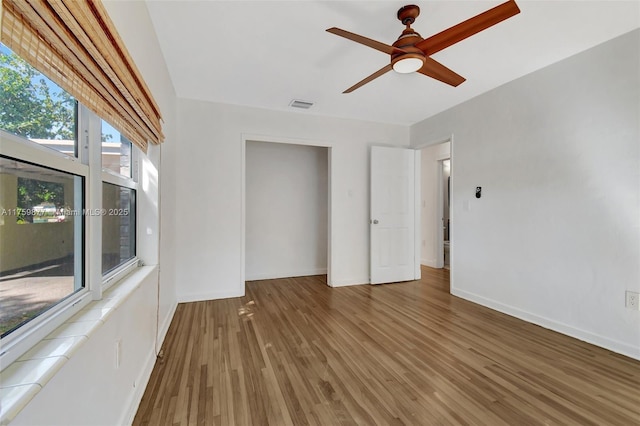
{"points": [[296, 352]]}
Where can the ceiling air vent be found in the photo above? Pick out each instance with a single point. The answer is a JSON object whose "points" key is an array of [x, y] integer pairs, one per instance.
{"points": [[300, 104]]}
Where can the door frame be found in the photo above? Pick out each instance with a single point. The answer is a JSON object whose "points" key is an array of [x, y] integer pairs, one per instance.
{"points": [[243, 173], [440, 203]]}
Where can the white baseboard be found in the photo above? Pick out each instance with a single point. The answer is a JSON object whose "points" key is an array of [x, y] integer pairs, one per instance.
{"points": [[348, 282], [431, 263], [586, 336], [286, 274], [164, 327], [211, 295]]}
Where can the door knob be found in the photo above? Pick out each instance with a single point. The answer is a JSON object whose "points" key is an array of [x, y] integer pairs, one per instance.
{"points": [[375, 221]]}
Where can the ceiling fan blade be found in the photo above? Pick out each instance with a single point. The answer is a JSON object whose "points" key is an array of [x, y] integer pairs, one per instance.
{"points": [[467, 28], [373, 76], [435, 69], [366, 41]]}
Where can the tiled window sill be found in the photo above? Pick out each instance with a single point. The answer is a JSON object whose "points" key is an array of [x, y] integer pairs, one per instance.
{"points": [[24, 378]]}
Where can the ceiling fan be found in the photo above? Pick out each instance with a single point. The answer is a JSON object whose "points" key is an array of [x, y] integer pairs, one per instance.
{"points": [[412, 53]]}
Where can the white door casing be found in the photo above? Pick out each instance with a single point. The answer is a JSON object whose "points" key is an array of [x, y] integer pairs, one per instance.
{"points": [[393, 213]]}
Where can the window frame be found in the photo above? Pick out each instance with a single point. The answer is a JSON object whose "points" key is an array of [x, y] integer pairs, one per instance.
{"points": [[29, 334], [114, 178]]}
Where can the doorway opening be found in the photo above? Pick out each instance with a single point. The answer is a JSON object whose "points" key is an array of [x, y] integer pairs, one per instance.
{"points": [[435, 204], [446, 207], [286, 209]]}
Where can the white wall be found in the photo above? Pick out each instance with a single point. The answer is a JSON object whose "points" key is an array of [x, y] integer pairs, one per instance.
{"points": [[555, 238], [88, 390], [134, 26], [286, 210], [209, 261], [430, 215]]}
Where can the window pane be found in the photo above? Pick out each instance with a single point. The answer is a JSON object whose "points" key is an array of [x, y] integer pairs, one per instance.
{"points": [[41, 235], [118, 225], [34, 107], [116, 151]]}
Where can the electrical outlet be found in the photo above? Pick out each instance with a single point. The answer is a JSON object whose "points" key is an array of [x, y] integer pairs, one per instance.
{"points": [[632, 300]]}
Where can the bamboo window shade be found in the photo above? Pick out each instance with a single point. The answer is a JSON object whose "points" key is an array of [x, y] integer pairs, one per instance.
{"points": [[76, 45]]}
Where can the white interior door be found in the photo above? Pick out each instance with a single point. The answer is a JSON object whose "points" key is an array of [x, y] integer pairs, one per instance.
{"points": [[393, 205]]}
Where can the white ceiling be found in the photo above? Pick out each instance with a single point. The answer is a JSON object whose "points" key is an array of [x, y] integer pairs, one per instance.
{"points": [[266, 53]]}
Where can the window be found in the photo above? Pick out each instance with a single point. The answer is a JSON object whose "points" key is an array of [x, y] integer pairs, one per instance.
{"points": [[49, 198], [51, 146], [42, 240], [118, 226], [41, 232], [118, 201]]}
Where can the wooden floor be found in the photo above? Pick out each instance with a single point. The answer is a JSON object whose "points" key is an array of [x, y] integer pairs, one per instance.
{"points": [[296, 352]]}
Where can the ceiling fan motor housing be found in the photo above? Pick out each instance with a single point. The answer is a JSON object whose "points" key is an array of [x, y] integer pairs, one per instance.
{"points": [[407, 42]]}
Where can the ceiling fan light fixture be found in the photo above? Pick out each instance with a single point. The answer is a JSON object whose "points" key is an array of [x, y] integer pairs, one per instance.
{"points": [[411, 53], [407, 63]]}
